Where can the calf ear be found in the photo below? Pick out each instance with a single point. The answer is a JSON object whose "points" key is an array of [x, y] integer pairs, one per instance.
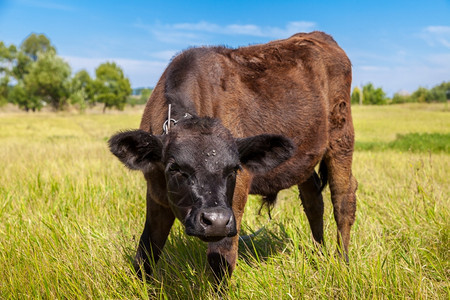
{"points": [[262, 153], [136, 149]]}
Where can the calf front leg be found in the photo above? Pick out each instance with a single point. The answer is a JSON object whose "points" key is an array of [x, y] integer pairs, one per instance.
{"points": [[222, 255], [158, 222]]}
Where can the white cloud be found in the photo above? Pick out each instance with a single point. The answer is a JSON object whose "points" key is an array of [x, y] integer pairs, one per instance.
{"points": [[438, 29], [200, 26], [267, 31], [195, 32], [290, 29], [437, 35], [250, 30]]}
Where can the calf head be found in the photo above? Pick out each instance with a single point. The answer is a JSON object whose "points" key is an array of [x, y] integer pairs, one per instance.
{"points": [[201, 161]]}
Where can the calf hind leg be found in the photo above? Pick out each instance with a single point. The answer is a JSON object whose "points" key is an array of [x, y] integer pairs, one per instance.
{"points": [[311, 196], [342, 187]]}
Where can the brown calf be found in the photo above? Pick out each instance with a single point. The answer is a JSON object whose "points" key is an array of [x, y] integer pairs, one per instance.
{"points": [[256, 120]]}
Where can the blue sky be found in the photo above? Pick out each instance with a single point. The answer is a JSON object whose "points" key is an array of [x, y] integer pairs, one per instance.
{"points": [[397, 45]]}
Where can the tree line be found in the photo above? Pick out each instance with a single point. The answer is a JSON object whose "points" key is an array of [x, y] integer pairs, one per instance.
{"points": [[33, 76], [376, 96]]}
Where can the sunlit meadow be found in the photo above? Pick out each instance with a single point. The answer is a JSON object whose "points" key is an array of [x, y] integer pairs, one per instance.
{"points": [[71, 216]]}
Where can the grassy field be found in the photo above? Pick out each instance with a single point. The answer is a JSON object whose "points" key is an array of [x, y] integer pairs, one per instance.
{"points": [[71, 216]]}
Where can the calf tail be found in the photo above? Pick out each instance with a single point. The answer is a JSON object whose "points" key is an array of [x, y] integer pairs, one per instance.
{"points": [[323, 175], [269, 202]]}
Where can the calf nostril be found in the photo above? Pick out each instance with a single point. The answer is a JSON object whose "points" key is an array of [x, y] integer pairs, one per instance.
{"points": [[205, 220]]}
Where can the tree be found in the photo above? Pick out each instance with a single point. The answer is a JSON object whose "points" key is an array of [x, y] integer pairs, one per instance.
{"points": [[21, 66], [4, 90], [139, 96], [356, 95], [48, 79], [80, 80], [34, 44], [28, 54], [145, 94], [22, 98], [441, 92], [7, 55], [421, 95], [41, 78], [110, 87], [79, 95], [372, 95], [402, 97]]}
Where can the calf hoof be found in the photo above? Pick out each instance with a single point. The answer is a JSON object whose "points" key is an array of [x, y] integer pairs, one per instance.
{"points": [[142, 267], [138, 270], [343, 256]]}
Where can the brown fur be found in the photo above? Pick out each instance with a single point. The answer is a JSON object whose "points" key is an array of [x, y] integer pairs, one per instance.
{"points": [[297, 87]]}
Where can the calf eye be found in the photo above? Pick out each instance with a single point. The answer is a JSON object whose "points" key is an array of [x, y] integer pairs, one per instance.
{"points": [[174, 168], [176, 172]]}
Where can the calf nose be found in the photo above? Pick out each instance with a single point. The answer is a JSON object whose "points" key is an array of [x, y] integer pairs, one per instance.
{"points": [[216, 221]]}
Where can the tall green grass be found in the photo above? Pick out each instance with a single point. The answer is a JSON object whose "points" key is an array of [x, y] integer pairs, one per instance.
{"points": [[71, 216]]}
